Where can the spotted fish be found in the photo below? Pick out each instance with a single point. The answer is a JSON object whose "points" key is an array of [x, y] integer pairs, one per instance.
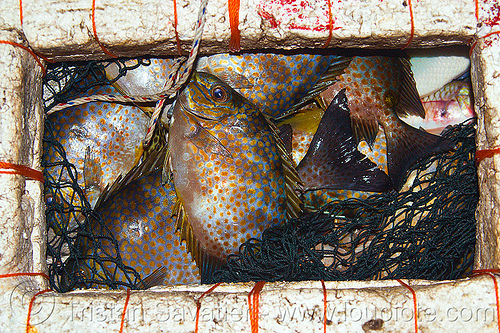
{"points": [[450, 105], [140, 217], [379, 89], [103, 141], [231, 173], [275, 83], [333, 167]]}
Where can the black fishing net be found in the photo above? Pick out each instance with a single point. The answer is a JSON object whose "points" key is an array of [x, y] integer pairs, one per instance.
{"points": [[427, 230]]}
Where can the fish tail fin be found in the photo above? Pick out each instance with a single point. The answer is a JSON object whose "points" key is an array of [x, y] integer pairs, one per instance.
{"points": [[333, 160], [406, 145]]}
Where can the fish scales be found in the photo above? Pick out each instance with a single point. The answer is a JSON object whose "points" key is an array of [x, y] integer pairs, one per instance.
{"points": [[103, 137], [140, 218], [227, 167], [379, 90], [273, 82]]}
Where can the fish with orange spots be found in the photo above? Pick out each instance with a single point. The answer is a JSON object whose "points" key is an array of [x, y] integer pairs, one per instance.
{"points": [[380, 89], [102, 140], [333, 167], [231, 173], [139, 217], [450, 105], [275, 83]]}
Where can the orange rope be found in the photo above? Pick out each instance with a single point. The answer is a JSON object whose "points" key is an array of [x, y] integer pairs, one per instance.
{"points": [[415, 309], [124, 310], [330, 24], [485, 153], [412, 27], [234, 20], [28, 326], [23, 274], [476, 2], [488, 272], [95, 33], [21, 170], [198, 304], [177, 39], [253, 306], [21, 11], [27, 49], [324, 305], [475, 42]]}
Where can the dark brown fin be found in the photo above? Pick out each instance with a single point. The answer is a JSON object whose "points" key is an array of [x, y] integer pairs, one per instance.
{"points": [[364, 129], [285, 133], [408, 99], [207, 264], [154, 279], [333, 152], [406, 145], [293, 183], [329, 77]]}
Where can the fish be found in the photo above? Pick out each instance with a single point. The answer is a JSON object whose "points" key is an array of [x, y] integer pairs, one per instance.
{"points": [[140, 217], [450, 105], [333, 168], [232, 175], [103, 141], [380, 90], [433, 68], [275, 83]]}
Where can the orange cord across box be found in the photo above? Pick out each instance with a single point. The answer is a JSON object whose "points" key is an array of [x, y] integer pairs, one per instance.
{"points": [[324, 305], [95, 33], [234, 20], [415, 308], [30, 52], [29, 328], [124, 310], [14, 169], [177, 39], [330, 24], [412, 31], [253, 305], [485, 153], [198, 304]]}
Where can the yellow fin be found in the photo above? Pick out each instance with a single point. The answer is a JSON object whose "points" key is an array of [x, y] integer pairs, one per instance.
{"points": [[206, 263]]}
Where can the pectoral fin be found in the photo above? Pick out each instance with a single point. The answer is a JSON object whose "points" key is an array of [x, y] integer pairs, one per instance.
{"points": [[205, 141]]}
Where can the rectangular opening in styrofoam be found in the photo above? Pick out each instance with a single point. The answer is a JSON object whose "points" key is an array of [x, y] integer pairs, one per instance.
{"points": [[479, 290]]}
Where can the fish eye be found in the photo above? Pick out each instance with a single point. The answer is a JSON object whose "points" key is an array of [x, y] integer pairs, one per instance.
{"points": [[219, 93]]}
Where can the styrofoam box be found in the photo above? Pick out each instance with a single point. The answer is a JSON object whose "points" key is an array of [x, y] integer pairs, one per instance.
{"points": [[62, 30]]}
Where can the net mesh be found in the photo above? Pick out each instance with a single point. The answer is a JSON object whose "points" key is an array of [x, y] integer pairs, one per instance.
{"points": [[425, 231]]}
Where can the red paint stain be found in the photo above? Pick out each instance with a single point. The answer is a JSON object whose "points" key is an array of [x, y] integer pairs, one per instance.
{"points": [[491, 12], [278, 13]]}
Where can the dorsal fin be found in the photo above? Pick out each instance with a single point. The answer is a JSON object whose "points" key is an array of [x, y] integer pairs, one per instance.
{"points": [[333, 160], [293, 183], [408, 99]]}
